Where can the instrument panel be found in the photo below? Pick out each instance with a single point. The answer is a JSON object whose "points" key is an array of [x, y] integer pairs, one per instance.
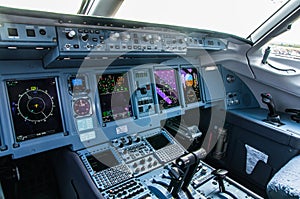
{"points": [[64, 93], [96, 105], [98, 101]]}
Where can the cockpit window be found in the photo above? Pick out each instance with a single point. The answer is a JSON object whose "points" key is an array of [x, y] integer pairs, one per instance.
{"points": [[237, 17], [287, 45], [58, 6]]}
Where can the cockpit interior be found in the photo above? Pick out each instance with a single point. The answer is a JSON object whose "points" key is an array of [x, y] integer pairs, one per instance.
{"points": [[95, 106]]}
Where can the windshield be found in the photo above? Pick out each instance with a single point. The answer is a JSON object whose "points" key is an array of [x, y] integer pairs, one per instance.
{"points": [[58, 6], [237, 17]]}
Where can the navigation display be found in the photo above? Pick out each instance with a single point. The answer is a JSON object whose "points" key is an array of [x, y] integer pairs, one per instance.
{"points": [[103, 160], [166, 88], [190, 85], [34, 108], [114, 96]]}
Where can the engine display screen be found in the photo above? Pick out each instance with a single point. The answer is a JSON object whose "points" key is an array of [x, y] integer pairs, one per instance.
{"points": [[34, 107], [166, 88], [114, 96], [190, 84], [103, 160], [158, 141]]}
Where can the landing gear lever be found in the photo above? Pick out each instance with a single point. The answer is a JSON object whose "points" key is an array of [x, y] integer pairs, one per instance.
{"points": [[272, 117]]}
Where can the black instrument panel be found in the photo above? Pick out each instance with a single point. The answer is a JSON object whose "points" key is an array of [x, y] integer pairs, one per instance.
{"points": [[102, 98], [166, 88], [190, 84], [114, 94], [34, 107]]}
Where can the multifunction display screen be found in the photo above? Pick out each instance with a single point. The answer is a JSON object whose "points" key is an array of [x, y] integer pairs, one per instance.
{"points": [[34, 107], [166, 88], [114, 96], [103, 160], [190, 85], [158, 141]]}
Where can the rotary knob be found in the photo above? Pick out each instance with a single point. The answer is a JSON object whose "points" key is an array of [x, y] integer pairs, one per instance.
{"points": [[147, 37], [125, 36], [136, 138], [181, 40], [156, 38], [114, 36], [71, 34]]}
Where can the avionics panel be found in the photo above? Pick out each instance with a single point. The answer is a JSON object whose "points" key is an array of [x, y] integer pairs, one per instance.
{"points": [[34, 107], [166, 88], [105, 166], [114, 96], [158, 141], [163, 145], [102, 161], [190, 84], [144, 92]]}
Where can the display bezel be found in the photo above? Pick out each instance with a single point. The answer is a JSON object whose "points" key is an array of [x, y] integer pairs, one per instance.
{"points": [[161, 137], [58, 105], [200, 99], [73, 91], [176, 83], [101, 158], [130, 102]]}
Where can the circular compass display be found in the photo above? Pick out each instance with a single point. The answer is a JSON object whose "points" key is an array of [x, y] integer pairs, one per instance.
{"points": [[82, 107], [35, 105]]}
